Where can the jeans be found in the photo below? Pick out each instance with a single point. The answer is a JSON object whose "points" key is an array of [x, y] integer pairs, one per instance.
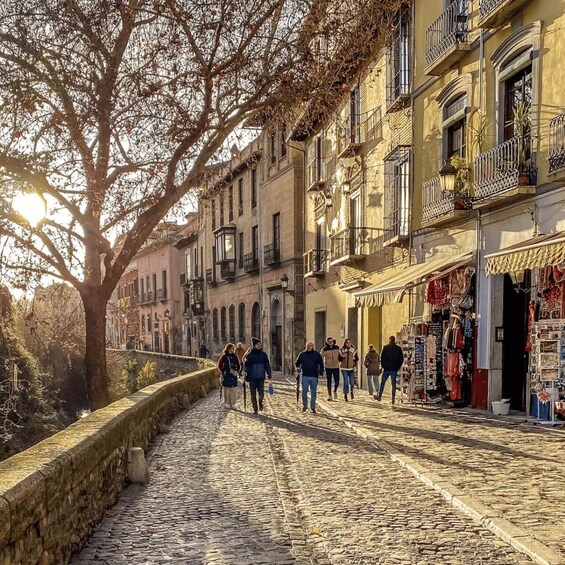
{"points": [[335, 374], [373, 383], [254, 388], [386, 374], [312, 384], [348, 380]]}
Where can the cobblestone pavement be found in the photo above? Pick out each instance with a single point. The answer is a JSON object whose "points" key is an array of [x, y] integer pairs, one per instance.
{"points": [[228, 487], [513, 467]]}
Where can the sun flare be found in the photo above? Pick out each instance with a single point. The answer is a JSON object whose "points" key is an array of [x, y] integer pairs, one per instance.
{"points": [[31, 206]]}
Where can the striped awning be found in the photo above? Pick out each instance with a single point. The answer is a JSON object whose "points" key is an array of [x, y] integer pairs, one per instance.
{"points": [[391, 289], [534, 253]]}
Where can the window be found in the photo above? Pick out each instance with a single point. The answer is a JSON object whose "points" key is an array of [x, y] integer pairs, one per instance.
{"points": [[154, 283], [142, 286], [221, 203], [240, 197], [517, 97], [231, 319], [142, 322], [273, 147], [315, 166], [240, 251], [255, 242], [213, 214], [283, 140], [201, 261], [398, 63], [355, 222], [355, 115], [215, 323], [186, 301], [148, 323], [397, 194], [164, 283], [223, 335], [241, 316], [456, 139], [230, 204], [256, 321], [253, 188], [277, 235], [194, 271]]}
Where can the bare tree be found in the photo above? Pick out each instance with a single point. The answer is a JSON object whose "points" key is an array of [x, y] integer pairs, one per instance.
{"points": [[112, 110]]}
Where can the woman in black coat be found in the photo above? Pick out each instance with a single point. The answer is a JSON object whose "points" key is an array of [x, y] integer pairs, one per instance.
{"points": [[229, 368]]}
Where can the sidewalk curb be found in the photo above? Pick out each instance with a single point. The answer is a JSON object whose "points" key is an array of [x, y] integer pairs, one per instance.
{"points": [[489, 518]]}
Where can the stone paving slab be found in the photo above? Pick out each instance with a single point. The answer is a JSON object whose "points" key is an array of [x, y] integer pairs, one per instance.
{"points": [[514, 469], [285, 487]]}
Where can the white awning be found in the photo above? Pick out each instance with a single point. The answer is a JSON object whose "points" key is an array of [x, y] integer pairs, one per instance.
{"points": [[534, 253], [391, 289]]}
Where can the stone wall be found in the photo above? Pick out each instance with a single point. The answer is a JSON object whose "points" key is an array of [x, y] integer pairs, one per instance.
{"points": [[52, 494]]}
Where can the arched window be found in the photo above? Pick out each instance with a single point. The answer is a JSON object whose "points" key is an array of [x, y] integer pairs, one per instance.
{"points": [[241, 315], [223, 335], [215, 323], [256, 321], [232, 323]]}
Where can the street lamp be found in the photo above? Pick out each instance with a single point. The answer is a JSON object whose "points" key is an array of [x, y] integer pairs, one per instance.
{"points": [[285, 289], [447, 176]]}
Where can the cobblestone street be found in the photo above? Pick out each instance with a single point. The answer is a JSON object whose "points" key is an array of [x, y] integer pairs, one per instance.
{"points": [[283, 487]]}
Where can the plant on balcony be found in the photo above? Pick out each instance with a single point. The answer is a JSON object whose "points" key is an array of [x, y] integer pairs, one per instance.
{"points": [[461, 186], [521, 120]]}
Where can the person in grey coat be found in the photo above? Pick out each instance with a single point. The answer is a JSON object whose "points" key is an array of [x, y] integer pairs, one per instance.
{"points": [[372, 364]]}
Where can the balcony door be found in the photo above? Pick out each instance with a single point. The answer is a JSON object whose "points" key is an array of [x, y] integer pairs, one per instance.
{"points": [[355, 223], [355, 115], [517, 95]]}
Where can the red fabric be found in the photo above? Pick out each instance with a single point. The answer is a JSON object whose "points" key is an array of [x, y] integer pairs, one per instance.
{"points": [[437, 291], [452, 364]]}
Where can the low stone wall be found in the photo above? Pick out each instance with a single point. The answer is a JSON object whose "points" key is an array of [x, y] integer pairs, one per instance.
{"points": [[52, 494]]}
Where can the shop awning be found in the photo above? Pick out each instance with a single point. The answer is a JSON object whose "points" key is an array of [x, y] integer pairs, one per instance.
{"points": [[392, 289], [534, 253]]}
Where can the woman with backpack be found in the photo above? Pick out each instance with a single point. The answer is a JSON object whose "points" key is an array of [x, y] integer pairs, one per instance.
{"points": [[229, 368], [348, 361]]}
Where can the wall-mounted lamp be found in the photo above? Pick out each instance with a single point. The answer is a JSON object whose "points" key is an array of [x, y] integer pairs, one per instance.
{"points": [[167, 314], [447, 175], [284, 285]]}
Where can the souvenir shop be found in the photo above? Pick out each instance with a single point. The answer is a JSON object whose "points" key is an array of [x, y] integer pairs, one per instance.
{"points": [[537, 269], [439, 347]]}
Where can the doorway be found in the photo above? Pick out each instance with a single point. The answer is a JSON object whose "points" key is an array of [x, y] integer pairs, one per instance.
{"points": [[276, 334], [514, 356], [319, 329]]}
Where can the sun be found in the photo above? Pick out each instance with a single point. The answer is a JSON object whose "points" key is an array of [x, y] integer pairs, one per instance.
{"points": [[31, 206]]}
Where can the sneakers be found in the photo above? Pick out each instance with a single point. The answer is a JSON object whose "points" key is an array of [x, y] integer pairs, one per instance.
{"points": [[329, 397], [352, 395], [304, 409], [345, 397], [335, 395]]}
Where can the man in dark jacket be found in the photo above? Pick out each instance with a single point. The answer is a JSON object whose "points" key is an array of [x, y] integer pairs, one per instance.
{"points": [[391, 361], [311, 364], [256, 367]]}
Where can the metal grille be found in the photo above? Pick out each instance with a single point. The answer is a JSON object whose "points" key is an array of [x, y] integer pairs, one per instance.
{"points": [[486, 7], [314, 261], [557, 143], [398, 63], [397, 193], [455, 107], [450, 28]]}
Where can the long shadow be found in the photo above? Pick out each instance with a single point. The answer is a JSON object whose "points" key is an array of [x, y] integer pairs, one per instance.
{"points": [[449, 438]]}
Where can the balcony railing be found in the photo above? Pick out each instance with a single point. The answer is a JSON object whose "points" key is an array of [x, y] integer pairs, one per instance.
{"points": [[196, 296], [271, 254], [161, 294], [211, 277], [493, 13], [448, 37], [314, 262], [250, 262], [314, 175], [354, 243], [503, 168], [227, 270], [438, 204], [149, 296], [557, 144]]}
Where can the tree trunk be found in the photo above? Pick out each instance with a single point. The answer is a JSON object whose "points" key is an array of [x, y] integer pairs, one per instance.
{"points": [[95, 358]]}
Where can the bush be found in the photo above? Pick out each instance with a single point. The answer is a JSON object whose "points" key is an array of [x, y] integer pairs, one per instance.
{"points": [[147, 375]]}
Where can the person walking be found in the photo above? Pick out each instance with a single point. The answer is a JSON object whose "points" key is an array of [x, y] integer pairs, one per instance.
{"points": [[229, 368], [391, 361], [330, 355], [257, 367], [372, 363], [240, 352], [311, 364], [348, 360], [203, 350]]}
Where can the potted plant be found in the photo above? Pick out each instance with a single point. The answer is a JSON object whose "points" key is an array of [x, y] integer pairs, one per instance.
{"points": [[521, 120], [461, 187]]}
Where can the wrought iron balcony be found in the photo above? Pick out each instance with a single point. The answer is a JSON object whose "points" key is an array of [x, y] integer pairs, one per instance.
{"points": [[227, 270], [250, 262], [505, 171], [349, 136], [493, 13], [271, 254], [161, 294], [440, 207], [314, 262], [211, 277], [352, 244], [557, 145], [196, 296], [447, 39], [314, 175], [149, 297], [183, 279]]}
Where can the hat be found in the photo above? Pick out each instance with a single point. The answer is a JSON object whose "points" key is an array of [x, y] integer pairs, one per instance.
{"points": [[255, 341]]}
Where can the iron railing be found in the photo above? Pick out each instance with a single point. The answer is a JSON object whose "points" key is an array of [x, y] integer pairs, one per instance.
{"points": [[271, 254], [500, 168], [486, 7], [436, 202], [161, 294], [211, 277], [398, 64], [250, 262], [557, 143], [355, 242], [149, 296], [449, 29], [314, 262], [227, 270], [314, 174], [397, 193]]}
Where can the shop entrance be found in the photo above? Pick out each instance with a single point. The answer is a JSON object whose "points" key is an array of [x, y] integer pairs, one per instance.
{"points": [[514, 357]]}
